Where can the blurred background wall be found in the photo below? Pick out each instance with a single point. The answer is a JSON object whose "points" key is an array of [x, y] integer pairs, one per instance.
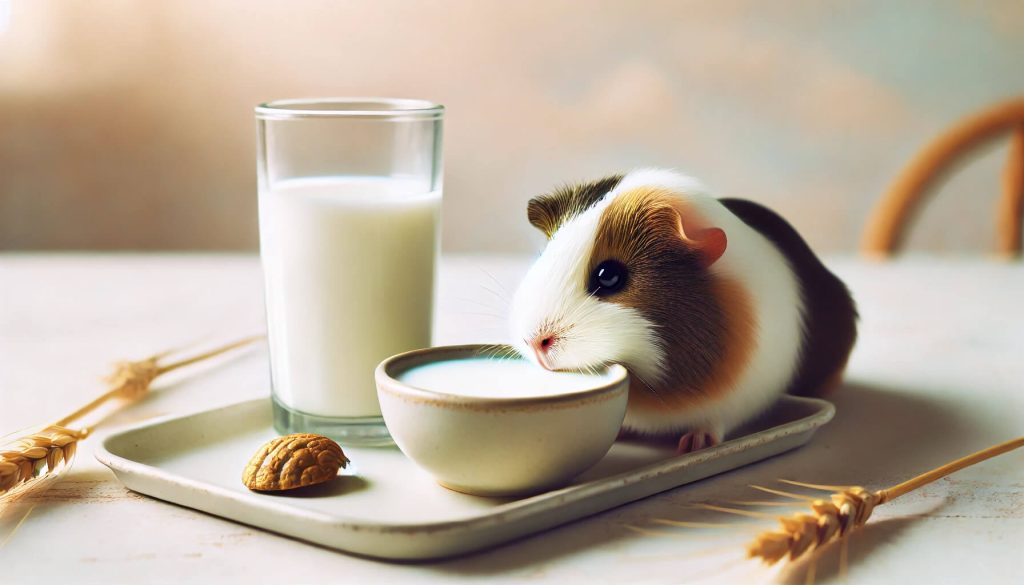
{"points": [[128, 124]]}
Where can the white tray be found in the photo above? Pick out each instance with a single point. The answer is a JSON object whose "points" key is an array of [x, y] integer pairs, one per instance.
{"points": [[387, 507]]}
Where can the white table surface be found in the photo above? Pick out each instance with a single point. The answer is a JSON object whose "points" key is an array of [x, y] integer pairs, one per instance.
{"points": [[938, 373]]}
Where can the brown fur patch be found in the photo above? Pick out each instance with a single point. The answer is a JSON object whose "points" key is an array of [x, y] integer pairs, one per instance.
{"points": [[706, 323], [548, 212]]}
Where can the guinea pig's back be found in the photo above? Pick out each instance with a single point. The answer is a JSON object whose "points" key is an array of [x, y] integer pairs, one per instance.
{"points": [[830, 316]]}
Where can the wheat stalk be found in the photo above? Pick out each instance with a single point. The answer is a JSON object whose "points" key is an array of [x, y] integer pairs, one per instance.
{"points": [[845, 510], [27, 460]]}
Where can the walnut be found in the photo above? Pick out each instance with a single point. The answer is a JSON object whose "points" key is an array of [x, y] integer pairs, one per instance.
{"points": [[293, 461]]}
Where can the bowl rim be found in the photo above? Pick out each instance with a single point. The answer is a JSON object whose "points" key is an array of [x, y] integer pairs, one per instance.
{"points": [[386, 379]]}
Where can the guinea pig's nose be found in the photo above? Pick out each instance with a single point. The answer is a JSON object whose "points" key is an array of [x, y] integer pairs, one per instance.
{"points": [[541, 344]]}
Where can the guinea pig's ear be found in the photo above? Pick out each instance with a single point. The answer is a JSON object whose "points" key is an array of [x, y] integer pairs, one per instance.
{"points": [[709, 241], [543, 214], [548, 212]]}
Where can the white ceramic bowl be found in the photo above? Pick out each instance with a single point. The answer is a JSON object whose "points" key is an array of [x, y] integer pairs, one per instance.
{"points": [[499, 446]]}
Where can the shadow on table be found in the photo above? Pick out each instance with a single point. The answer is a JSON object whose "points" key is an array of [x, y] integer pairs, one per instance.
{"points": [[878, 435]]}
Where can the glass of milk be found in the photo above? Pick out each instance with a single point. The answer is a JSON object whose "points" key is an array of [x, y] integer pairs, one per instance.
{"points": [[349, 206]]}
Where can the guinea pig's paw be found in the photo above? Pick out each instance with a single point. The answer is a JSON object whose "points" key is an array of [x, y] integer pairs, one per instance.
{"points": [[696, 440]]}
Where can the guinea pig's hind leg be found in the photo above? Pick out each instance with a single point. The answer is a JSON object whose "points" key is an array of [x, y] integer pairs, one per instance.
{"points": [[696, 440]]}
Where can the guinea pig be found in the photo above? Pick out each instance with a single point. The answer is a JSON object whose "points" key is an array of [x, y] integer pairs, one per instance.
{"points": [[715, 306]]}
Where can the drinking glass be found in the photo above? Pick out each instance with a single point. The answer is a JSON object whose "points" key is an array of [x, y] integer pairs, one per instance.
{"points": [[349, 210]]}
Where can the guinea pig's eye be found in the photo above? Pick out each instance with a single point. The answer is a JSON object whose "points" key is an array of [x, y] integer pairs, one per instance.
{"points": [[608, 278]]}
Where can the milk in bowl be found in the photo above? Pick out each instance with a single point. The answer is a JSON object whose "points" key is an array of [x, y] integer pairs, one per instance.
{"points": [[485, 377]]}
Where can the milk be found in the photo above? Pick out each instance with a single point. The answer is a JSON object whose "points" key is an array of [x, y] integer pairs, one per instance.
{"points": [[349, 270], [499, 378]]}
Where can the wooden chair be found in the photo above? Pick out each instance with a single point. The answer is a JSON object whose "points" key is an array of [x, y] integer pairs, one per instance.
{"points": [[885, 229]]}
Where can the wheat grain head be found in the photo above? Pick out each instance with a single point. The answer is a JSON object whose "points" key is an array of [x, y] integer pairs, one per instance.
{"points": [[32, 457], [828, 520]]}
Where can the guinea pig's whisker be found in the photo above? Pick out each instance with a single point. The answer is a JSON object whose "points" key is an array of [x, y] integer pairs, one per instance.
{"points": [[579, 314], [493, 279], [502, 292], [591, 309], [570, 315], [505, 352], [490, 350], [581, 305], [501, 297], [480, 303], [586, 369], [511, 353], [497, 351], [481, 314], [596, 368], [647, 385]]}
